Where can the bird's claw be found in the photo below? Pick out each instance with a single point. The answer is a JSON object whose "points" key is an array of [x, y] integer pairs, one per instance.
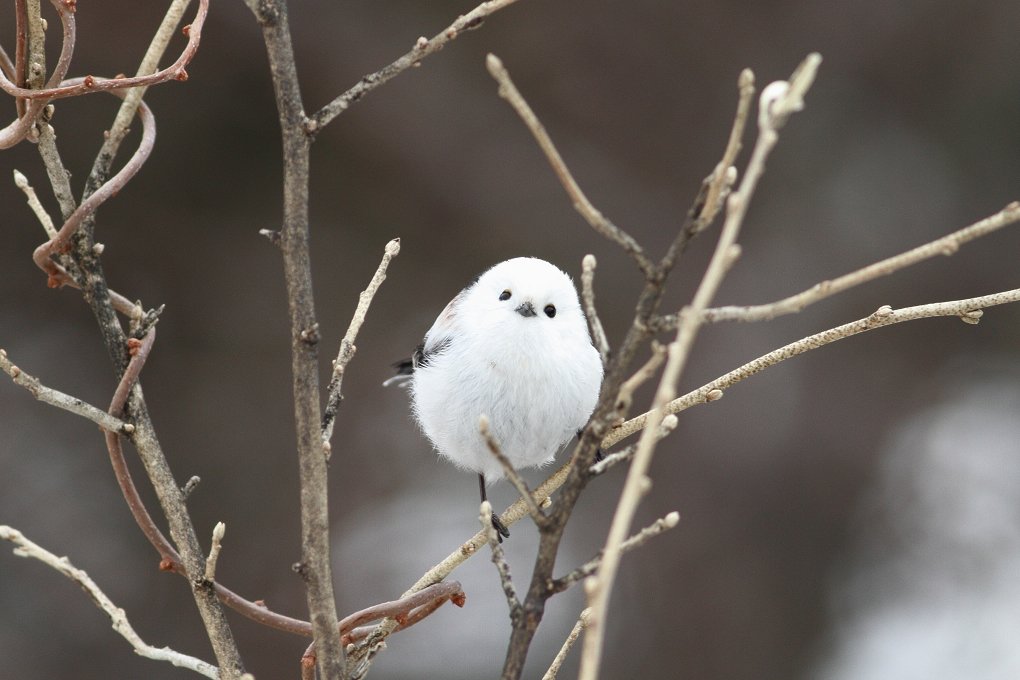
{"points": [[501, 530]]}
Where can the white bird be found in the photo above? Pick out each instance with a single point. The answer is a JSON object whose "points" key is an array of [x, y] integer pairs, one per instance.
{"points": [[512, 346]]}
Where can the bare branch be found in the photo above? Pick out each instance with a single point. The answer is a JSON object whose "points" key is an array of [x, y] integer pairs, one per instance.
{"points": [[724, 174], [561, 656], [637, 540], [422, 48], [432, 602], [626, 394], [775, 105], [148, 66], [599, 222], [89, 84], [515, 478], [666, 428], [598, 334], [214, 551], [29, 15], [44, 218], [118, 618], [499, 560], [947, 245], [63, 401], [969, 310], [58, 276], [347, 347], [315, 567], [402, 608]]}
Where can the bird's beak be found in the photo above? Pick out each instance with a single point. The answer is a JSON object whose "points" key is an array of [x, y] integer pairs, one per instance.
{"points": [[526, 309]]}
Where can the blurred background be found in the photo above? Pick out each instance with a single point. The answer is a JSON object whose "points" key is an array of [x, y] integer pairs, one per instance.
{"points": [[853, 513]]}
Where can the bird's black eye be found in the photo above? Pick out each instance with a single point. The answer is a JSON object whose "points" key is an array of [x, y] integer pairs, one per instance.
{"points": [[550, 311], [505, 295]]}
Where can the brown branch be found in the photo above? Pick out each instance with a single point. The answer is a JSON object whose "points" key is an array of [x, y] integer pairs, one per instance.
{"points": [[31, 53], [58, 275], [315, 566], [88, 84], [402, 608], [599, 222], [598, 333], [170, 496], [417, 614], [143, 436], [969, 310], [515, 478], [422, 48], [591, 566], [408, 610], [778, 100], [499, 561], [347, 347], [724, 174], [63, 401], [946, 246], [561, 656]]}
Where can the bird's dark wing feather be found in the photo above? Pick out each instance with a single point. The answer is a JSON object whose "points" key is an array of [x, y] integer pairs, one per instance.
{"points": [[405, 367]]}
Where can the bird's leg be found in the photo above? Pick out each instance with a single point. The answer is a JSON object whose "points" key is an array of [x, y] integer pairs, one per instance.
{"points": [[497, 524]]}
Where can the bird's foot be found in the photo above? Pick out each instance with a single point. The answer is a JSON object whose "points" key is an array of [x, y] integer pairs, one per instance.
{"points": [[501, 530]]}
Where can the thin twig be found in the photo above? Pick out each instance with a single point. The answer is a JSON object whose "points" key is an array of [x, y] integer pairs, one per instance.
{"points": [[599, 222], [89, 84], [947, 245], [147, 67], [626, 394], [44, 218], [118, 618], [723, 176], [30, 14], [968, 310], [598, 333], [613, 459], [61, 400], [214, 551], [499, 560], [416, 615], [347, 347], [515, 478], [774, 108], [422, 48], [591, 566], [58, 276], [561, 656], [172, 501], [400, 609]]}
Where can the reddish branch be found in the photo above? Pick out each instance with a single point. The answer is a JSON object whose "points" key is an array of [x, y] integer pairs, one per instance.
{"points": [[20, 128], [60, 243], [57, 88], [409, 609]]}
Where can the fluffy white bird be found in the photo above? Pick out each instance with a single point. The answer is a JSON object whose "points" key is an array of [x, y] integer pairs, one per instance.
{"points": [[513, 346]]}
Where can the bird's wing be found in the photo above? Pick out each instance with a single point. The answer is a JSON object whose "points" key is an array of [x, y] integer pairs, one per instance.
{"points": [[441, 331], [436, 340], [404, 368]]}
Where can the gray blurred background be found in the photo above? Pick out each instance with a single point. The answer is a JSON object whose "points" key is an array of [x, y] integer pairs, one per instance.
{"points": [[850, 514]]}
